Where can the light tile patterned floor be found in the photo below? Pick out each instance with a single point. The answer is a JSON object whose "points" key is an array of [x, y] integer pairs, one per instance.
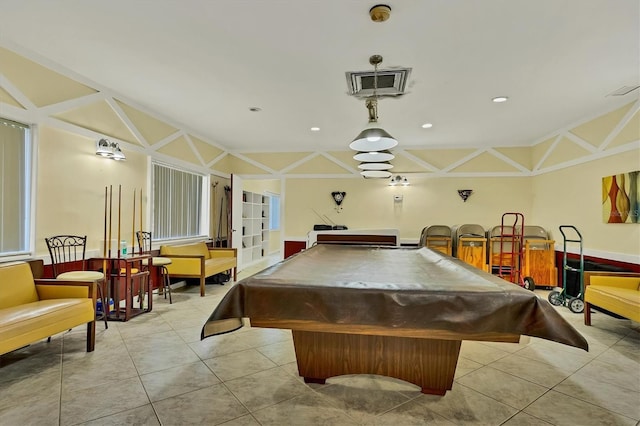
{"points": [[155, 370]]}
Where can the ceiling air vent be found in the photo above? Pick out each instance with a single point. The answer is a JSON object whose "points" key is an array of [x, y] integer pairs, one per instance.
{"points": [[623, 90], [390, 82]]}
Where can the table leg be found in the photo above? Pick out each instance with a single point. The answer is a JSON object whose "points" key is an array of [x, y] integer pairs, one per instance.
{"points": [[428, 363]]}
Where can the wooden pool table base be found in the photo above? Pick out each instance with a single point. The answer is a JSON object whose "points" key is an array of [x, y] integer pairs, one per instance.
{"points": [[427, 363], [424, 357]]}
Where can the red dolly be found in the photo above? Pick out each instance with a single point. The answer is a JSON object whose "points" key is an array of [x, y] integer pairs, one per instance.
{"points": [[509, 259]]}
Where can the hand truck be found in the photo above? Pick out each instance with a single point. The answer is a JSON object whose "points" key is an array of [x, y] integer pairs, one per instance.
{"points": [[560, 297]]}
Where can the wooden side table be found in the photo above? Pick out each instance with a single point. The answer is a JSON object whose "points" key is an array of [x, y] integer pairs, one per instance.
{"points": [[126, 279]]}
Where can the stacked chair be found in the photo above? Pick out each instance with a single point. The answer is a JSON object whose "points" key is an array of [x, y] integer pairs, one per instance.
{"points": [[470, 245], [437, 237]]}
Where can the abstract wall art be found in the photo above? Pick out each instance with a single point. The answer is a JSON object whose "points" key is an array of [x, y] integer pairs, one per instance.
{"points": [[621, 198]]}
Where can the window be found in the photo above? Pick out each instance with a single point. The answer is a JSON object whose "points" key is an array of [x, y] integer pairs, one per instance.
{"points": [[177, 203], [15, 188], [274, 212]]}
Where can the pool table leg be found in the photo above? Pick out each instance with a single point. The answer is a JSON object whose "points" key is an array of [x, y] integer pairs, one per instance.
{"points": [[427, 363]]}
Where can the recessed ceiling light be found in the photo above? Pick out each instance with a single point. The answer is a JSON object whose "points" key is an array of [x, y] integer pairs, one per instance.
{"points": [[315, 129], [427, 125], [499, 99], [255, 109]]}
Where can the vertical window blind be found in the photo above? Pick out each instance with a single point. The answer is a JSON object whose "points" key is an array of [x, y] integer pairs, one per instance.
{"points": [[177, 203], [15, 188]]}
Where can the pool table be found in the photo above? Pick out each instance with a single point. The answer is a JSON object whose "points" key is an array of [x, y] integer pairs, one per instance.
{"points": [[398, 312]]}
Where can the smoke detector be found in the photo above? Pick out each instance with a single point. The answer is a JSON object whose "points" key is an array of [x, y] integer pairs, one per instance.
{"points": [[380, 13]]}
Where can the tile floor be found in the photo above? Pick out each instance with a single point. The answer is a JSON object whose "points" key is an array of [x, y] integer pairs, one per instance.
{"points": [[154, 370]]}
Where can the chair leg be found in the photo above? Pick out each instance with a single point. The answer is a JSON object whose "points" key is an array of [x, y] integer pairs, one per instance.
{"points": [[91, 336], [166, 283], [587, 313], [105, 304]]}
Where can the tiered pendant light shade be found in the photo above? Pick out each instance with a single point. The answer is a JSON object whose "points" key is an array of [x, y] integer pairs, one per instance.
{"points": [[374, 143], [373, 139], [374, 156], [375, 166], [376, 174]]}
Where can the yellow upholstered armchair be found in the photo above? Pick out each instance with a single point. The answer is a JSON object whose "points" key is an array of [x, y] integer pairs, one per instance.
{"points": [[617, 292], [196, 260], [31, 310]]}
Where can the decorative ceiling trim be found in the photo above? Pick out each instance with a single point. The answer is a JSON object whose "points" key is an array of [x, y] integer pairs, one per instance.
{"points": [[16, 93], [299, 162], [579, 141], [68, 105], [43, 116], [253, 162], [509, 161], [592, 157], [618, 128], [579, 122], [418, 160], [166, 141], [218, 158], [127, 122], [194, 149], [340, 163], [462, 161], [88, 133], [549, 150]]}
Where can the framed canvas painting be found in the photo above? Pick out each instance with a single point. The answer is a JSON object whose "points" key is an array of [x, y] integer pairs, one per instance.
{"points": [[621, 198]]}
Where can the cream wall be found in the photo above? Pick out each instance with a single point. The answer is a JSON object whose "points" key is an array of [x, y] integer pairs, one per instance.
{"points": [[573, 196], [71, 184], [427, 201], [261, 186]]}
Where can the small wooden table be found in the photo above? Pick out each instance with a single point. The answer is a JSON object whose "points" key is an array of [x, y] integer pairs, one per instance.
{"points": [[125, 278]]}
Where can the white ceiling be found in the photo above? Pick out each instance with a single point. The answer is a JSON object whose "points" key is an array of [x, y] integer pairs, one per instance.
{"points": [[203, 63]]}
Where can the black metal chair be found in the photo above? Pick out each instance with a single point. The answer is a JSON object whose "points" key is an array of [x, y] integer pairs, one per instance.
{"points": [[144, 243], [68, 262]]}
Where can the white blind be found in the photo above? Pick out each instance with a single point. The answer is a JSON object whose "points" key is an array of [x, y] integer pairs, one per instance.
{"points": [[177, 203], [14, 188]]}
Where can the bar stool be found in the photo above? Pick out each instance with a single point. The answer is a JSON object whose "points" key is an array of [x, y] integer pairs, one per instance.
{"points": [[65, 249], [144, 242]]}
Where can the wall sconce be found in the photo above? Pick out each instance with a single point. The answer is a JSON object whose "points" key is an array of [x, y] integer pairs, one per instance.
{"points": [[106, 148], [399, 180], [465, 193]]}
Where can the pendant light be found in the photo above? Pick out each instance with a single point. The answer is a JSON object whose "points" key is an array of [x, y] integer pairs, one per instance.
{"points": [[374, 156], [375, 174], [375, 166], [373, 138]]}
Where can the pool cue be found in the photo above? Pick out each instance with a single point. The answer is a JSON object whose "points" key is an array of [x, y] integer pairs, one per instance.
{"points": [[110, 211], [141, 221], [119, 215], [133, 224], [104, 239]]}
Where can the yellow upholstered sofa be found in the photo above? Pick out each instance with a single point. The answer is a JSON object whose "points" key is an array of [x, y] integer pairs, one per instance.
{"points": [[196, 260], [31, 310], [617, 292]]}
